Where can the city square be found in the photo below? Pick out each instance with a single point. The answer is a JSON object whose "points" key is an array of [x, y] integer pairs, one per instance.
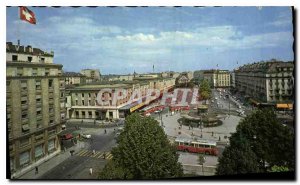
{"points": [[149, 99]]}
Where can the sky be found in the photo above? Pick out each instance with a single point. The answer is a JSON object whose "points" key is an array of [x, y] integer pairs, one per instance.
{"points": [[121, 40]]}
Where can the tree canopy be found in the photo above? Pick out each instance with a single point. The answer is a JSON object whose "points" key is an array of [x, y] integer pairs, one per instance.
{"points": [[143, 152], [262, 140], [204, 89]]}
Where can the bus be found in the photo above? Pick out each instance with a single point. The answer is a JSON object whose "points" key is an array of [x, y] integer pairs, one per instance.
{"points": [[196, 146]]}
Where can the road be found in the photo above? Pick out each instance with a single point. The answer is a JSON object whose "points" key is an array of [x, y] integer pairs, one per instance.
{"points": [[78, 165]]}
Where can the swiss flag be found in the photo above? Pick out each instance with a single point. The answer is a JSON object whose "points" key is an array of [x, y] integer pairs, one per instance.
{"points": [[27, 15]]}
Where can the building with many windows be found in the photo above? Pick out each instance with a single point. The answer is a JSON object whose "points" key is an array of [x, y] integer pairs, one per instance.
{"points": [[92, 75], [83, 104], [266, 82], [218, 78], [73, 78], [35, 109]]}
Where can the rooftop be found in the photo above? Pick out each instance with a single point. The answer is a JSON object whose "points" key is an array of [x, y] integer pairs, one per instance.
{"points": [[264, 66], [72, 74], [11, 48]]}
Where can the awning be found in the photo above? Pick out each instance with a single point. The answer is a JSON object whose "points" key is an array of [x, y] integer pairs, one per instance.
{"points": [[137, 107], [284, 106]]}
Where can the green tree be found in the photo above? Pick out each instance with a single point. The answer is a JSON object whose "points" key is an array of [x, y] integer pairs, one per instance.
{"points": [[237, 159], [271, 141], [204, 89], [262, 140], [143, 152]]}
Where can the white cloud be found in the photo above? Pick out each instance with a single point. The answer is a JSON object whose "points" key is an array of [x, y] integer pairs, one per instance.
{"points": [[137, 37]]}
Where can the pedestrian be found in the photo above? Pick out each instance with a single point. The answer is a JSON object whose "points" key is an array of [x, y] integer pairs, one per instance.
{"points": [[94, 152], [36, 170], [104, 155], [104, 131], [81, 121], [91, 171], [212, 133], [219, 138], [189, 127]]}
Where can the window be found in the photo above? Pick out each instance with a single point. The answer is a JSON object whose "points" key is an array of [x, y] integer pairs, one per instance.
{"points": [[39, 125], [34, 71], [24, 142], [24, 102], [61, 94], [76, 102], [90, 114], [15, 58], [38, 100], [47, 71], [43, 60], [50, 83], [52, 132], [51, 145], [82, 94], [29, 59], [82, 102], [38, 84], [19, 71], [39, 152], [24, 85], [25, 128], [24, 115], [51, 121], [24, 158], [83, 114]]}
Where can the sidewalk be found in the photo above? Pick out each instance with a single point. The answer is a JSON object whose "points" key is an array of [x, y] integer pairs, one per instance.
{"points": [[50, 164]]}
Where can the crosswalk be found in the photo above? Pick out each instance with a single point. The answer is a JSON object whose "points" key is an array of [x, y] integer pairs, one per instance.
{"points": [[98, 154]]}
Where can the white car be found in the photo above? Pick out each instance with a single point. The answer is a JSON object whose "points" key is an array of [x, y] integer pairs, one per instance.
{"points": [[86, 136]]}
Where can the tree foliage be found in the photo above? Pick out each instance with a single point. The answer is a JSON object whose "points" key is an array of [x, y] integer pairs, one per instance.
{"points": [[205, 90], [143, 152], [237, 160], [262, 135]]}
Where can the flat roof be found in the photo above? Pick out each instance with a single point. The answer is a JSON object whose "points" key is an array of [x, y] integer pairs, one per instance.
{"points": [[101, 86]]}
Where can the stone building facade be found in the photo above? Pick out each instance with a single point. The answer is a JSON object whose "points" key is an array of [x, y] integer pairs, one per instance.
{"points": [[35, 109], [267, 82]]}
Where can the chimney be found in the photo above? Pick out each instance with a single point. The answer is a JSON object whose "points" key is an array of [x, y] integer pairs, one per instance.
{"points": [[30, 50]]}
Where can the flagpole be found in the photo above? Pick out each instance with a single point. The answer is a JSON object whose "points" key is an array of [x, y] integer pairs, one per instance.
{"points": [[18, 23]]}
